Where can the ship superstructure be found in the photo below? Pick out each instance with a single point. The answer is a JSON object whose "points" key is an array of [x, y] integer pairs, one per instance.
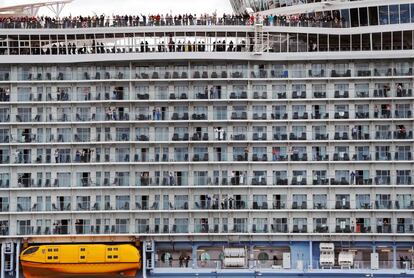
{"points": [[253, 144]]}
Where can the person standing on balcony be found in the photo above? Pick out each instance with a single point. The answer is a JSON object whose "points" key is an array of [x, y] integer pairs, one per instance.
{"points": [[352, 177]]}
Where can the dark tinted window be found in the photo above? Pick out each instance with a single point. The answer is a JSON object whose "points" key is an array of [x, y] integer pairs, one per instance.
{"points": [[394, 16], [405, 13], [354, 18], [373, 16], [383, 15], [31, 250], [363, 16]]}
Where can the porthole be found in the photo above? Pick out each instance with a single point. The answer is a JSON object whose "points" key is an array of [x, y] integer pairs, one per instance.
{"points": [[263, 257]]}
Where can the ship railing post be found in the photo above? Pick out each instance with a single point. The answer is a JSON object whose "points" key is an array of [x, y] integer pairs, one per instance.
{"points": [[310, 254], [153, 255], [17, 259], [394, 256], [144, 259], [194, 256], [3, 260]]}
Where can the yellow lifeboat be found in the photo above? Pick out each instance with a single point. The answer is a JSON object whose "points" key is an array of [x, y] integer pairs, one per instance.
{"points": [[80, 260]]}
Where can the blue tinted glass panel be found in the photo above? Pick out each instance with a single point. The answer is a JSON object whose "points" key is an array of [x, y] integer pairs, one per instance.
{"points": [[404, 13], [345, 16], [394, 17], [412, 12], [383, 13]]}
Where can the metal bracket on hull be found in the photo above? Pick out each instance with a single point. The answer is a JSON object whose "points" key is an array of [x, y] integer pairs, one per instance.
{"points": [[8, 253]]}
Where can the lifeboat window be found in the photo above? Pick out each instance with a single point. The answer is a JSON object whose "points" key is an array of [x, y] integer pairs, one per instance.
{"points": [[31, 250], [109, 257], [49, 250], [115, 256], [82, 257], [82, 249], [55, 257], [109, 249], [49, 257], [115, 249], [56, 250]]}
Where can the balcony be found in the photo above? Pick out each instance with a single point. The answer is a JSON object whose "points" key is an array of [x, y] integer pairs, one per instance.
{"points": [[385, 228], [259, 116], [381, 93], [179, 137], [259, 157], [199, 117], [362, 115], [341, 115], [404, 93], [345, 229], [299, 180], [404, 205], [259, 228], [299, 229], [382, 180], [320, 136], [238, 95], [402, 134], [279, 228], [339, 181], [335, 73], [339, 136], [298, 95], [340, 204], [319, 94], [321, 229], [299, 157], [297, 136], [280, 136], [200, 157], [404, 180], [341, 156], [299, 205], [279, 116], [260, 205], [179, 117], [240, 115], [383, 204], [281, 181], [174, 96], [320, 181], [258, 95], [301, 116], [341, 94]]}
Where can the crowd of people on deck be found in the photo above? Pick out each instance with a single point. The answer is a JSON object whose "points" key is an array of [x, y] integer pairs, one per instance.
{"points": [[313, 19]]}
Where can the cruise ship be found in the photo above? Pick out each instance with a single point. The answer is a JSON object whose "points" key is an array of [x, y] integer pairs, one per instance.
{"points": [[277, 141]]}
